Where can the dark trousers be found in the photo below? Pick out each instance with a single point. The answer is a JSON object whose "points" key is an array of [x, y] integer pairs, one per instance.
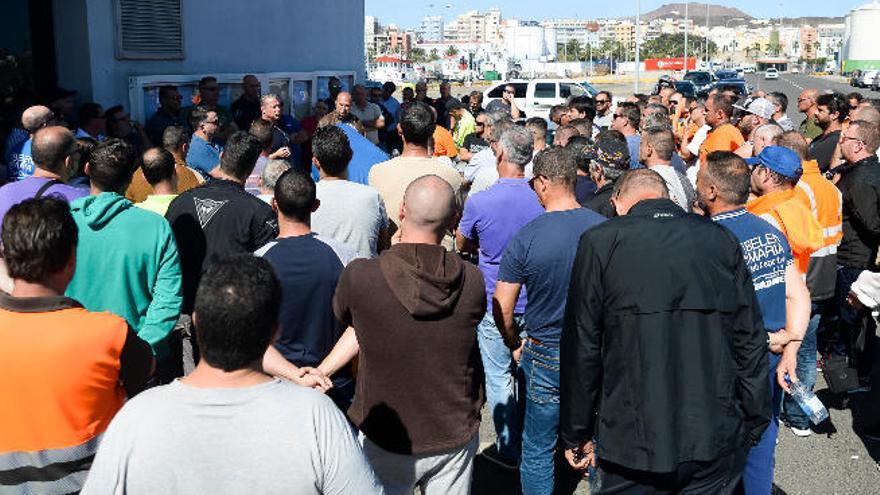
{"points": [[855, 330], [718, 477]]}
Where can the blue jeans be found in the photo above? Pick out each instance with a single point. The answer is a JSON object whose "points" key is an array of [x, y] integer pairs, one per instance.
{"points": [[806, 366], [757, 477], [501, 388], [540, 370]]}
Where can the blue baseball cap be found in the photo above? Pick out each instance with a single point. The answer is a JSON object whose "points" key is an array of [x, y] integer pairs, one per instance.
{"points": [[779, 159]]}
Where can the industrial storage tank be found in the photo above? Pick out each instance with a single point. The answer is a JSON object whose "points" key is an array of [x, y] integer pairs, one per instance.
{"points": [[525, 42], [862, 38]]}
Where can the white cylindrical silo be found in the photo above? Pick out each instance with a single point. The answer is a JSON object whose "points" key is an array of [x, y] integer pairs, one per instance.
{"points": [[863, 36]]}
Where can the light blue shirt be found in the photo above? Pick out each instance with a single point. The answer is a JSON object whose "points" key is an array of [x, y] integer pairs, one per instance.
{"points": [[203, 156]]}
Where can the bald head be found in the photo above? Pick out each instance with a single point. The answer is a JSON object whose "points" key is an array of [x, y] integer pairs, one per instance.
{"points": [[343, 104], [35, 117], [428, 205], [51, 147], [807, 99], [868, 114], [637, 185]]}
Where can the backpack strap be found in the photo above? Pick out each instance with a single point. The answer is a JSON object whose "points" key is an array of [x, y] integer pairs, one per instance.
{"points": [[42, 190]]}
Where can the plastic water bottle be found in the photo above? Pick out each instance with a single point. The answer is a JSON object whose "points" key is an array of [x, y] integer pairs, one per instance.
{"points": [[810, 404]]}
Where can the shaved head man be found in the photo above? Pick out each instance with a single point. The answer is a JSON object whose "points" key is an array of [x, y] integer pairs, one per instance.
{"points": [[635, 186], [806, 104], [36, 117], [428, 208], [18, 157], [343, 105]]}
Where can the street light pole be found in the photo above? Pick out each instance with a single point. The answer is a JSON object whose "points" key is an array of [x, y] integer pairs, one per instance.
{"points": [[638, 43], [686, 4]]}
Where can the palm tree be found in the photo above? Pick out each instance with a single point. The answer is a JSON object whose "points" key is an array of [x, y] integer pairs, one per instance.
{"points": [[451, 51]]}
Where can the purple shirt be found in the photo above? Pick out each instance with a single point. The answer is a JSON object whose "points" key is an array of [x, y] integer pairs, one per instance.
{"points": [[491, 218], [13, 193]]}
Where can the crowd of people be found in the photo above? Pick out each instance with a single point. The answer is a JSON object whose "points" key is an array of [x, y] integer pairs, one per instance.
{"points": [[230, 300]]}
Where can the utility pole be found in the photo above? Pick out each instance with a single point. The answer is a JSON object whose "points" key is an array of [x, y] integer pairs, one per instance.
{"points": [[638, 42], [707, 34], [686, 4]]}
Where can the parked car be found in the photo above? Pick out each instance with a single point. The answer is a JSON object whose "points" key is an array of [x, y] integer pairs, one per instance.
{"points": [[867, 78], [726, 74], [749, 69], [535, 97], [702, 80], [771, 73], [739, 86], [795, 70]]}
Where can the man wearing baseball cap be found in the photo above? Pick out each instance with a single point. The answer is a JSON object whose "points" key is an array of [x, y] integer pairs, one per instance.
{"points": [[758, 112], [609, 159], [775, 173]]}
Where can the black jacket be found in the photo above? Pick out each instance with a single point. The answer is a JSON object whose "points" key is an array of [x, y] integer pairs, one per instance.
{"points": [[663, 350], [860, 186], [601, 201], [213, 221]]}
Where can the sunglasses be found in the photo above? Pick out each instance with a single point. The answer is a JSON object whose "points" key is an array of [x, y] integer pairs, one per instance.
{"points": [[534, 179], [603, 101], [618, 115], [508, 92], [480, 124]]}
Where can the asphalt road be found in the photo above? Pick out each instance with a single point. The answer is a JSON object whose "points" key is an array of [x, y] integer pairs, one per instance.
{"points": [[793, 84]]}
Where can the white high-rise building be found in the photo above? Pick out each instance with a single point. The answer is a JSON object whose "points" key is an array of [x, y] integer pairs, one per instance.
{"points": [[432, 28], [371, 29]]}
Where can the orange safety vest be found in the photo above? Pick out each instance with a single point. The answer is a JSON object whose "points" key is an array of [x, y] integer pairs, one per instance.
{"points": [[794, 220], [825, 203]]}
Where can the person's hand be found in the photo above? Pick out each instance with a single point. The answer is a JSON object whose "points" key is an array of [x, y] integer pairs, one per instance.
{"points": [[517, 353], [312, 378], [778, 341], [853, 301], [282, 152], [787, 366], [581, 458]]}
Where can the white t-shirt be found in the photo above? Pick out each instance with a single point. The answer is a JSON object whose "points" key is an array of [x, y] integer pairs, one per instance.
{"points": [[271, 438], [697, 141], [370, 112], [351, 213]]}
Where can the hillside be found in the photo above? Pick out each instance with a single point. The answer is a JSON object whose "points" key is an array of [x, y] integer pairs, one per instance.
{"points": [[718, 14]]}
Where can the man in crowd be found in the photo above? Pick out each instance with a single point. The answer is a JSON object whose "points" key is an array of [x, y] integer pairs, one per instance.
{"points": [[780, 105], [167, 115], [538, 127], [51, 150], [421, 94], [581, 148], [782, 295], [806, 104], [506, 104], [389, 132], [832, 111], [295, 437], [19, 157], [414, 299], [776, 172], [203, 154], [655, 152], [475, 103], [604, 113], [490, 219], [209, 97], [476, 141], [487, 175], [282, 146], [67, 370], [92, 122], [824, 201], [486, 156], [859, 184], [308, 267], [368, 114], [723, 136], [539, 258], [269, 177], [583, 108], [350, 212], [175, 140], [703, 328], [246, 108], [219, 218], [334, 87], [134, 244], [465, 125], [158, 170], [440, 105], [391, 178], [758, 112], [264, 131], [608, 161], [627, 118]]}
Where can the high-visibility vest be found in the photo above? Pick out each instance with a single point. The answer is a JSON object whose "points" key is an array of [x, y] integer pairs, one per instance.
{"points": [[794, 220], [825, 203]]}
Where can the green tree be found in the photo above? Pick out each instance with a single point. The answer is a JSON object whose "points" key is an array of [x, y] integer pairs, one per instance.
{"points": [[417, 55], [451, 51], [434, 55]]}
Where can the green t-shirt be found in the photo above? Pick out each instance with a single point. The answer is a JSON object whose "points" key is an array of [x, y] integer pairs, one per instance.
{"points": [[809, 129]]}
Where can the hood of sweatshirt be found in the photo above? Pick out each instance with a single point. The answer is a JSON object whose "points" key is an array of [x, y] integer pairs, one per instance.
{"points": [[426, 279], [98, 211]]}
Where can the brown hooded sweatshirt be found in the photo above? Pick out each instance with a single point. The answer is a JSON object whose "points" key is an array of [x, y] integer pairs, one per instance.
{"points": [[415, 309]]}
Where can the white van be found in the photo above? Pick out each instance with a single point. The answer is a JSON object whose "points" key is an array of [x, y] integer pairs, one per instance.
{"points": [[535, 97]]}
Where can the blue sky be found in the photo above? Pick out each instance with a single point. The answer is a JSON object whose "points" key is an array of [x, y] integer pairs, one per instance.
{"points": [[408, 13]]}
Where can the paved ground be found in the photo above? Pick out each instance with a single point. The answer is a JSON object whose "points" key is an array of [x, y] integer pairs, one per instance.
{"points": [[835, 460]]}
